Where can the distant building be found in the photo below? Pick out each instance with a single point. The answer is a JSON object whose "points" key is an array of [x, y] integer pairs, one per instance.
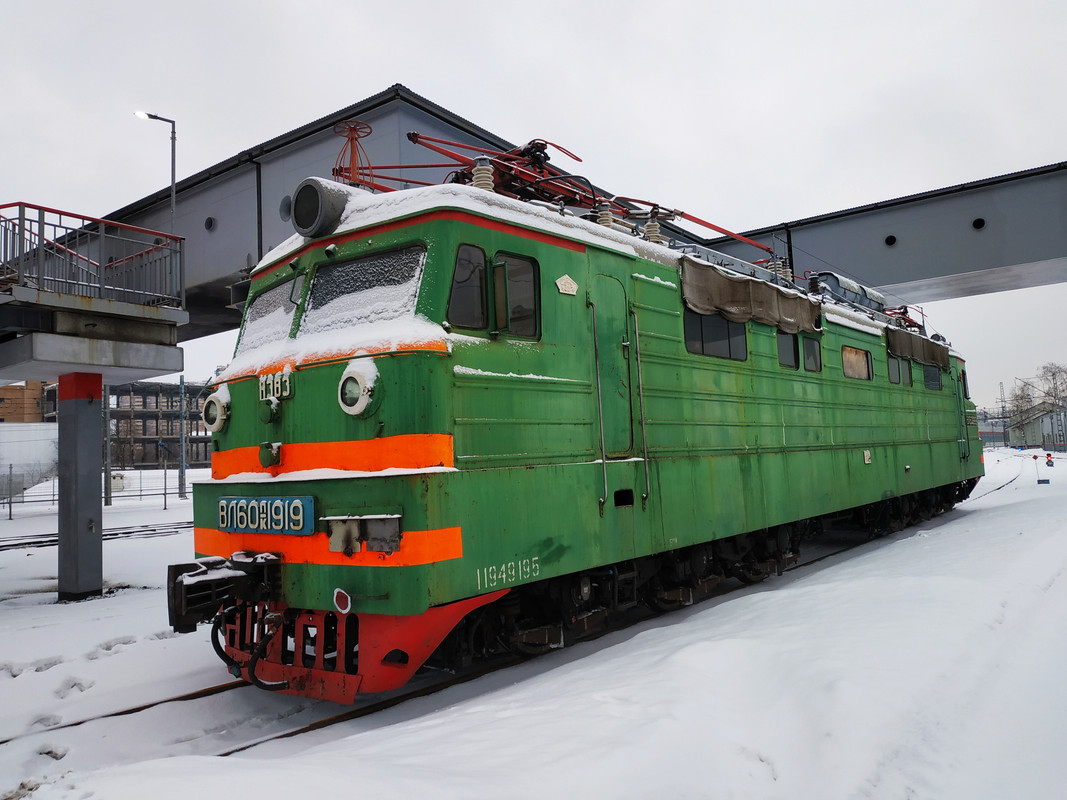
{"points": [[1043, 425], [144, 418], [992, 428], [22, 402]]}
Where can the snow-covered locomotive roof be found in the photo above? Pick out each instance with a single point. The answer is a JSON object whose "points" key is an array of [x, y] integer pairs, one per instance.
{"points": [[839, 299], [364, 209]]}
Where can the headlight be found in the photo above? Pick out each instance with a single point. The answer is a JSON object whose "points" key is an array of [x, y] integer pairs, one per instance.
{"points": [[356, 386], [353, 393], [216, 411]]}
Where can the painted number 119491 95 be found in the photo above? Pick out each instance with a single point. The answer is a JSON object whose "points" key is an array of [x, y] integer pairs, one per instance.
{"points": [[507, 572]]}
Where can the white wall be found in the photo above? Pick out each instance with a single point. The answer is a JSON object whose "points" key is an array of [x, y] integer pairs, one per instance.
{"points": [[30, 448]]}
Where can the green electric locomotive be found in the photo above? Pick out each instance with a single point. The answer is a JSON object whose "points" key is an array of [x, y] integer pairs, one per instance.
{"points": [[457, 422]]}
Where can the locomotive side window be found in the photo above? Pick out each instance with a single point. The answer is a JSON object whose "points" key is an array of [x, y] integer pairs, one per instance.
{"points": [[899, 370], [788, 350], [466, 303], [856, 363], [812, 355], [714, 335], [932, 376], [966, 387], [515, 295]]}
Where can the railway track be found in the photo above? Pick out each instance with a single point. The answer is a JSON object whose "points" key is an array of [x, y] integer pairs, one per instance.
{"points": [[198, 694], [109, 534], [376, 705], [1022, 461]]}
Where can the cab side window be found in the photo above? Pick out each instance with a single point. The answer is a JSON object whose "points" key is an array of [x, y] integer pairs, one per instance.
{"points": [[466, 304], [513, 282]]}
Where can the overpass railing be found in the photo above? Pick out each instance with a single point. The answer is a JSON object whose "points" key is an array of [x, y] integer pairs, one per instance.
{"points": [[47, 250]]}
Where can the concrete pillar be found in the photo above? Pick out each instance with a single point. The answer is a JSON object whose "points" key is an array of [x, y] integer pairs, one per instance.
{"points": [[81, 563]]}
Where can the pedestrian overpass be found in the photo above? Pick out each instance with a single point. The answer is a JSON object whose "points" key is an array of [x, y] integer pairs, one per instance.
{"points": [[85, 302]]}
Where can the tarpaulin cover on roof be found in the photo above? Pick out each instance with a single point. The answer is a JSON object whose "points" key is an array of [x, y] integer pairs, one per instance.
{"points": [[708, 290], [906, 344]]}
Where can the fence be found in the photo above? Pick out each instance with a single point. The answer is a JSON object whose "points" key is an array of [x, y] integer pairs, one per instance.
{"points": [[55, 251], [12, 485], [131, 485]]}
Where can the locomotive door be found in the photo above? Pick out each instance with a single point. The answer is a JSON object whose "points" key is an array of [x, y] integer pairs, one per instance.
{"points": [[961, 414], [611, 317]]}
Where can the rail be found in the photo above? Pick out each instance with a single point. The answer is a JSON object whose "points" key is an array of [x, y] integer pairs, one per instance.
{"points": [[48, 250]]}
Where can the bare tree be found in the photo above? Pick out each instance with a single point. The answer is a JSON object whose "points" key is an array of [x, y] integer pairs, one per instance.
{"points": [[1054, 380], [1022, 398]]}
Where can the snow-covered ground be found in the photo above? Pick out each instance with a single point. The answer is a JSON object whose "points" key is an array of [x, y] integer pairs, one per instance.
{"points": [[929, 664]]}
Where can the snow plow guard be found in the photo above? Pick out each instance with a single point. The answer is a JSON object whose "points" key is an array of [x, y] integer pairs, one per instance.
{"points": [[330, 655]]}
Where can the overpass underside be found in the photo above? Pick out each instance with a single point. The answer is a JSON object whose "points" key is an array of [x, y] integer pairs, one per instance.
{"points": [[992, 235]]}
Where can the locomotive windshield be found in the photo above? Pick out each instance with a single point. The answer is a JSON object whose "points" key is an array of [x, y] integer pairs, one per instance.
{"points": [[375, 288], [269, 316]]}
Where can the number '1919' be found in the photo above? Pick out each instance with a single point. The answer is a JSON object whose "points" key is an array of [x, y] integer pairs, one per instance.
{"points": [[508, 572]]}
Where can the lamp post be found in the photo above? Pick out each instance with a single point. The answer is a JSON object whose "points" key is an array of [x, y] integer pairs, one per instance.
{"points": [[173, 149], [181, 418], [181, 434]]}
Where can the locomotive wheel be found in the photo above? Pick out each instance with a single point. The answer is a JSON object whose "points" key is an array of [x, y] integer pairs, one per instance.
{"points": [[538, 640], [663, 601], [926, 507], [898, 517], [751, 573]]}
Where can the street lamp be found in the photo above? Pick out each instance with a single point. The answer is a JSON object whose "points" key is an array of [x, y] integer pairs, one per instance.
{"points": [[173, 148], [181, 418]]}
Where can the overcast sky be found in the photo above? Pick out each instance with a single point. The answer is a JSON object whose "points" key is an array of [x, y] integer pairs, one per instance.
{"points": [[747, 113]]}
